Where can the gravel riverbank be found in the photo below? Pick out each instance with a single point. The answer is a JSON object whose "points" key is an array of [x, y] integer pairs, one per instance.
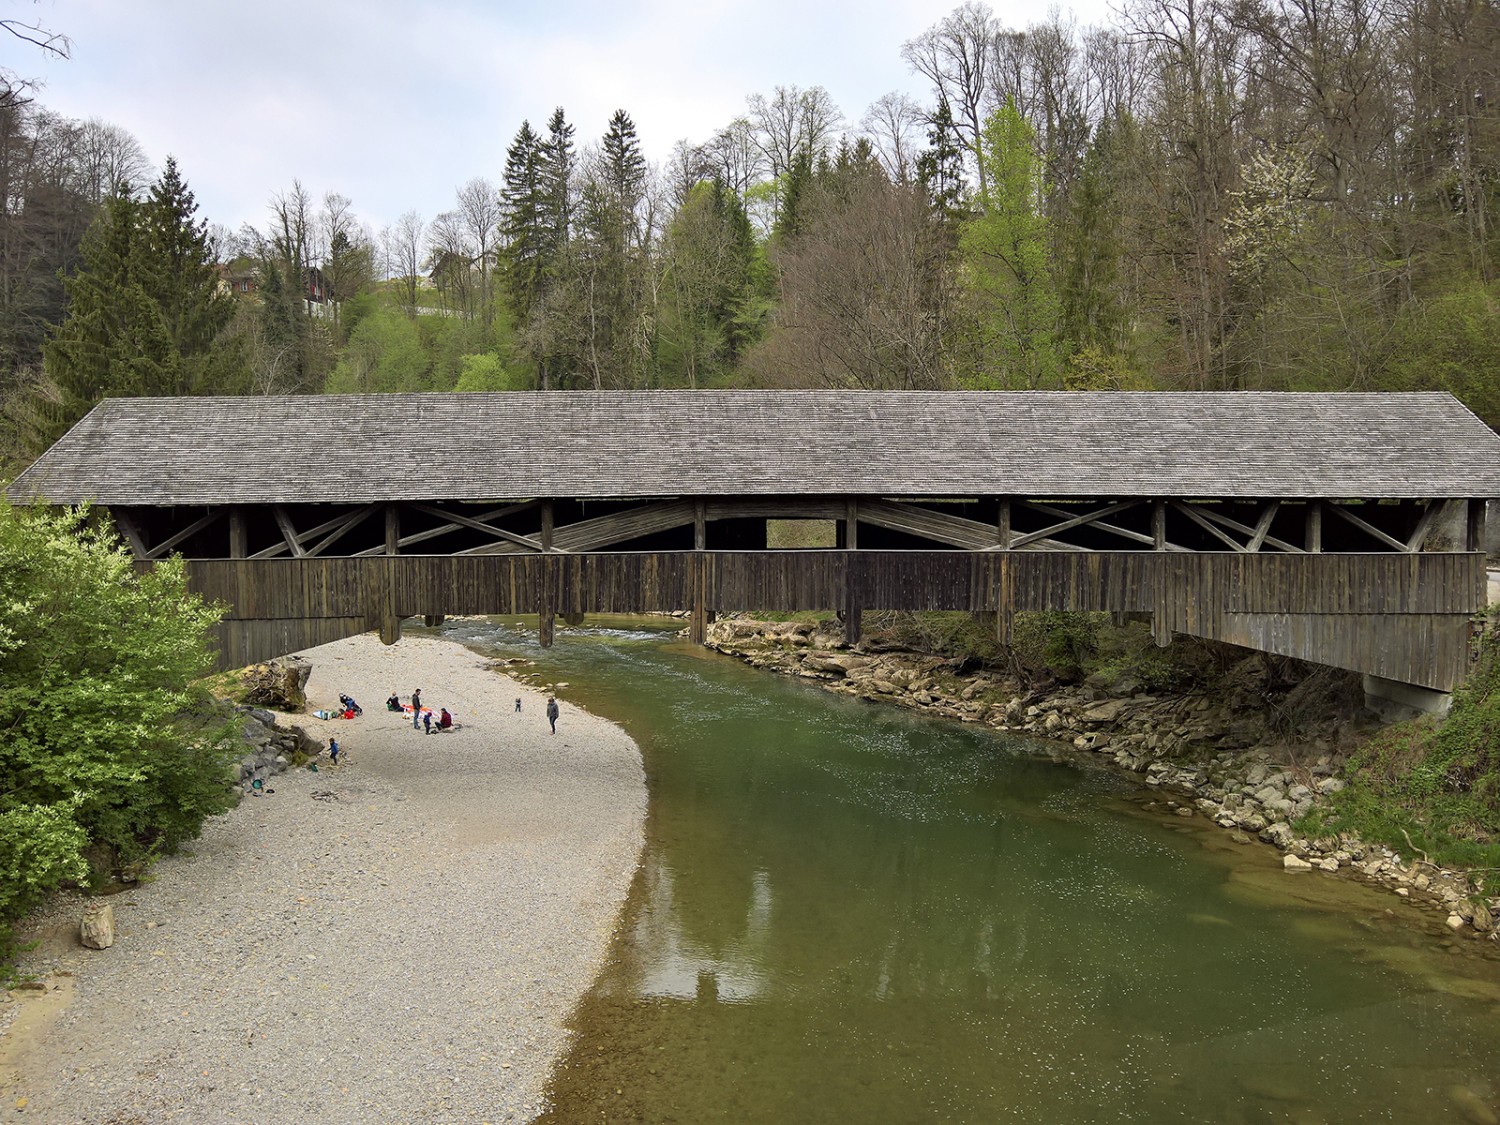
{"points": [[397, 940]]}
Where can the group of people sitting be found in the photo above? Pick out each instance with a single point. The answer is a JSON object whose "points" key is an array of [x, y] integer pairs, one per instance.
{"points": [[429, 723]]}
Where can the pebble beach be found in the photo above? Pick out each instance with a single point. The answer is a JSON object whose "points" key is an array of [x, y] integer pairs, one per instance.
{"points": [[399, 939]]}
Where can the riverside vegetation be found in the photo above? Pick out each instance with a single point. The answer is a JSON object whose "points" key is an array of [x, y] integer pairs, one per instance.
{"points": [[112, 750], [1261, 745]]}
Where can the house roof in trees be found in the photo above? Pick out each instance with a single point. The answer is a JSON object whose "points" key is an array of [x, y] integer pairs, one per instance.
{"points": [[328, 449]]}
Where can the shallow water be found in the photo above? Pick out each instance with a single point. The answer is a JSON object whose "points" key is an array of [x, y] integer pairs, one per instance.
{"points": [[848, 913]]}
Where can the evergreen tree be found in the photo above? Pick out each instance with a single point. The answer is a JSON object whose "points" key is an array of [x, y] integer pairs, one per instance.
{"points": [[1092, 312], [795, 185], [115, 340], [522, 206], [187, 289], [610, 257], [556, 169], [941, 168], [146, 315], [711, 309], [624, 168]]}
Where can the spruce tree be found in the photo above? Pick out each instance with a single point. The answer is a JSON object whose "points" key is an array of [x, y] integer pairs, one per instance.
{"points": [[523, 206], [556, 173], [145, 315], [115, 340], [941, 168]]}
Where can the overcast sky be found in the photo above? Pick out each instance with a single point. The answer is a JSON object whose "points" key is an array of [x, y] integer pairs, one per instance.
{"points": [[394, 103]]}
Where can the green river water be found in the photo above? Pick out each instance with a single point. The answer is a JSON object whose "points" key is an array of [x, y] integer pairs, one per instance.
{"points": [[847, 913]]}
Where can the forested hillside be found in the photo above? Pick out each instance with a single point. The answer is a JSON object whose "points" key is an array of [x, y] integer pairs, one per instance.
{"points": [[1234, 194]]}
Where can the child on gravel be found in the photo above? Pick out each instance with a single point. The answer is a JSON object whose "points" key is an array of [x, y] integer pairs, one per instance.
{"points": [[334, 750]]}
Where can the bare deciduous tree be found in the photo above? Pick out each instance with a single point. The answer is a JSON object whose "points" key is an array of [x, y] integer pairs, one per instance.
{"points": [[895, 125], [955, 56]]}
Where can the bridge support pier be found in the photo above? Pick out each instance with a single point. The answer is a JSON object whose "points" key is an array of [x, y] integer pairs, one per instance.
{"points": [[1394, 700], [546, 623]]}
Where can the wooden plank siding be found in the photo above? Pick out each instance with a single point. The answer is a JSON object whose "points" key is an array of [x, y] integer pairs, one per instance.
{"points": [[1404, 617]]}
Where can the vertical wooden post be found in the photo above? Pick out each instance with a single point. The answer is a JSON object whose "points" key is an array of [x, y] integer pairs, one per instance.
{"points": [[381, 590], [1161, 630], [852, 566], [1159, 524], [1005, 600], [239, 534], [546, 610], [851, 525], [392, 529], [1314, 534], [1474, 525], [1003, 530], [698, 621]]}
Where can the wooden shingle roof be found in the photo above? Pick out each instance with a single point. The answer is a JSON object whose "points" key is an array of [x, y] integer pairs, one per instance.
{"points": [[316, 449]]}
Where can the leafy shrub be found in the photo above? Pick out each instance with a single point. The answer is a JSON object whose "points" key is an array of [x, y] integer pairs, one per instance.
{"points": [[1434, 785], [109, 744]]}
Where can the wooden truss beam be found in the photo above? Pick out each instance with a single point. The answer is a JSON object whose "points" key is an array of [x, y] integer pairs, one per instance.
{"points": [[955, 531], [288, 531], [1343, 512], [394, 541], [190, 530], [299, 538], [457, 521], [1153, 540], [1211, 521], [1424, 524]]}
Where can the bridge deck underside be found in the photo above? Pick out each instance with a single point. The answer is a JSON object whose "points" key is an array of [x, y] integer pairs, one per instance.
{"points": [[1402, 616]]}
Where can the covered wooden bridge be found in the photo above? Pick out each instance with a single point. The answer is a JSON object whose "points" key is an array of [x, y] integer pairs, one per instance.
{"points": [[1340, 528]]}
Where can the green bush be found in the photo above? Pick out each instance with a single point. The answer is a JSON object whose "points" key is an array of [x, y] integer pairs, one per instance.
{"points": [[110, 745], [1432, 785]]}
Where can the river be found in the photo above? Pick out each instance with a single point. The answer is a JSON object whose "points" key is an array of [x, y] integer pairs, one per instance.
{"points": [[846, 913]]}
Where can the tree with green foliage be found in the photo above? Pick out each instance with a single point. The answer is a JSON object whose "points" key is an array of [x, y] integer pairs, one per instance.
{"points": [[146, 314], [611, 259], [109, 743], [940, 169], [711, 310], [384, 354], [1006, 255], [523, 241], [1091, 251]]}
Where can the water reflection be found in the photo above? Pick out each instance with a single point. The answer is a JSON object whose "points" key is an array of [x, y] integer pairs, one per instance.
{"points": [[848, 913]]}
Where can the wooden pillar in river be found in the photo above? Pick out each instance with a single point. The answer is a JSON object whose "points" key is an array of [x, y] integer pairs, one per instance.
{"points": [[698, 622], [1004, 595], [853, 611], [1161, 632], [546, 609]]}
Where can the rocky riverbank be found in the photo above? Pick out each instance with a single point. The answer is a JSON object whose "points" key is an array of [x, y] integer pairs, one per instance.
{"points": [[1253, 761]]}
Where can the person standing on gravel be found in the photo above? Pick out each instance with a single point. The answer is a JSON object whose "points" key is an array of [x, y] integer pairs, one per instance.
{"points": [[552, 712], [334, 750], [416, 709]]}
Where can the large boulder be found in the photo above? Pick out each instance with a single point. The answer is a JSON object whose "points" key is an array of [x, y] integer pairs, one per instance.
{"points": [[280, 683]]}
